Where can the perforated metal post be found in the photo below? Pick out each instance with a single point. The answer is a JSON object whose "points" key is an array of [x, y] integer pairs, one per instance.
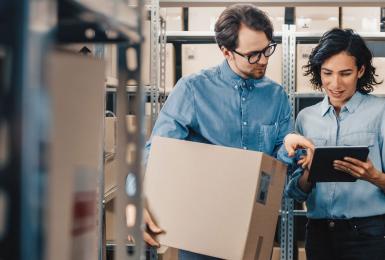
{"points": [[129, 200], [163, 41], [155, 53], [288, 61]]}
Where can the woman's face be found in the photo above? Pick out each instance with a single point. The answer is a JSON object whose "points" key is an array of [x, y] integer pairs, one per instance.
{"points": [[339, 75]]}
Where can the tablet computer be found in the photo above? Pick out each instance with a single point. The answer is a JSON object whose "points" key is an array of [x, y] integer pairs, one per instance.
{"points": [[322, 169]]}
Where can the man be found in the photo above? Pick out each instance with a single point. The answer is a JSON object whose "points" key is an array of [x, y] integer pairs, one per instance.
{"points": [[232, 104]]}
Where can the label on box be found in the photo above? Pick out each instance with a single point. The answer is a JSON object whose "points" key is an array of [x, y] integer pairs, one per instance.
{"points": [[263, 188]]}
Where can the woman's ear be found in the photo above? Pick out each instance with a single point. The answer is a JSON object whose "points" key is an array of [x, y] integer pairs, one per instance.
{"points": [[361, 71]]}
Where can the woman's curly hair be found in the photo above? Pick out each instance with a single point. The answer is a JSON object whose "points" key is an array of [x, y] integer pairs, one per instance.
{"points": [[334, 42]]}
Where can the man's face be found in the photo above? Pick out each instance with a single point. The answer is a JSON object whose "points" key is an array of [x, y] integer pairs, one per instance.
{"points": [[249, 41]]}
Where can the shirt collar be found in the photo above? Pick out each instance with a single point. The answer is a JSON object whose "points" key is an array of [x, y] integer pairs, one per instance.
{"points": [[350, 106], [229, 75]]}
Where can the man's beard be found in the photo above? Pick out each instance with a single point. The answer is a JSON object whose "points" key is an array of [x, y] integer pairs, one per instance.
{"points": [[255, 73]]}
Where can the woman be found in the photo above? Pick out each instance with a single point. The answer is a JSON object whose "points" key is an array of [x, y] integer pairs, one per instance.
{"points": [[345, 219]]}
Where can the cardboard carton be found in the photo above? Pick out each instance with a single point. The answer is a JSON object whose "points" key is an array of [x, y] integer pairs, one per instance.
{"points": [[196, 57], [320, 19], [361, 19], [214, 200], [303, 82], [75, 155]]}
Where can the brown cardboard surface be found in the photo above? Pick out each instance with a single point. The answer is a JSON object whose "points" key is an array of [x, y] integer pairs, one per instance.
{"points": [[206, 198], [76, 87], [167, 253]]}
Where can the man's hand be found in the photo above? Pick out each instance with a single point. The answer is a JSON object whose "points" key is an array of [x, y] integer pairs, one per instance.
{"points": [[295, 141], [151, 229]]}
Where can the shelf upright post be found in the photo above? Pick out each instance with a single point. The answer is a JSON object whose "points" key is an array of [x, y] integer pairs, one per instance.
{"points": [[155, 57], [288, 62], [129, 202]]}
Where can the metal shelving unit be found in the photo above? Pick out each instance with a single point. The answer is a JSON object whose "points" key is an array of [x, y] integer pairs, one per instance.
{"points": [[286, 3], [33, 27], [289, 39]]}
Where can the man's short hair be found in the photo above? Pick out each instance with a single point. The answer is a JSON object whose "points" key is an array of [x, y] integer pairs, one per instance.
{"points": [[229, 22], [342, 40]]}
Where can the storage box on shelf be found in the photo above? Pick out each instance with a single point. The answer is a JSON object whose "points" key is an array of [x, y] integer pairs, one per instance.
{"points": [[196, 57], [303, 82], [379, 64], [320, 19], [361, 19], [75, 156]]}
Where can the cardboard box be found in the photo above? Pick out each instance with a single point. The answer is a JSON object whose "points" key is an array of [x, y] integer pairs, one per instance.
{"points": [[379, 64], [168, 253], [319, 19], [214, 200], [362, 19], [174, 18], [276, 15], [196, 57], [203, 18], [303, 82], [276, 255], [274, 68], [75, 155]]}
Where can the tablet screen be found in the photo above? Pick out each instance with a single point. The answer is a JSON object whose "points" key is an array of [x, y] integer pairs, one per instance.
{"points": [[322, 169]]}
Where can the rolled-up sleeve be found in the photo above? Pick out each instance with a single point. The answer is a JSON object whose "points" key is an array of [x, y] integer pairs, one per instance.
{"points": [[293, 190]]}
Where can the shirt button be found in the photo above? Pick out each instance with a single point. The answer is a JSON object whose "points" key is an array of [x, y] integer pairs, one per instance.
{"points": [[236, 86], [244, 148], [243, 99], [245, 123]]}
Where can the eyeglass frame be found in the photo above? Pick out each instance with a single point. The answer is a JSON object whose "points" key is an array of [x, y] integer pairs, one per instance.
{"points": [[259, 53]]}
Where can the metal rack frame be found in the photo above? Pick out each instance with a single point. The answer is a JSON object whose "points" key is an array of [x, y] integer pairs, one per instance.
{"points": [[289, 38], [25, 101]]}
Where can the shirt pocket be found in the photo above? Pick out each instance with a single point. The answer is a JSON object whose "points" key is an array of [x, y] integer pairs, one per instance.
{"points": [[267, 137], [318, 142], [359, 139]]}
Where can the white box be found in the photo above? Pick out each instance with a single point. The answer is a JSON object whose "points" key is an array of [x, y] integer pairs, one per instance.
{"points": [[196, 57], [361, 19], [203, 18], [316, 19], [274, 67], [303, 82], [379, 64], [173, 17], [276, 15], [75, 155]]}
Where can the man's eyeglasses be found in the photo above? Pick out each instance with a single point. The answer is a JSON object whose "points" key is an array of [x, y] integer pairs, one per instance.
{"points": [[256, 55]]}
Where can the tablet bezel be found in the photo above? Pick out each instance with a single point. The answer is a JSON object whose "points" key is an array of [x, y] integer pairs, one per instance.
{"points": [[322, 169]]}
